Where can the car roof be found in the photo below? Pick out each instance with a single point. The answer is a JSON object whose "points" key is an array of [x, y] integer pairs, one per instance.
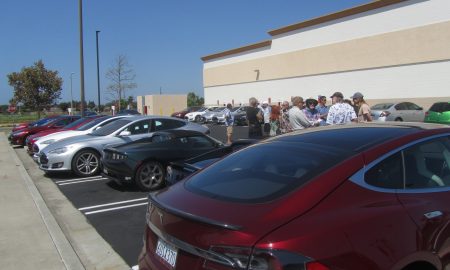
{"points": [[356, 137]]}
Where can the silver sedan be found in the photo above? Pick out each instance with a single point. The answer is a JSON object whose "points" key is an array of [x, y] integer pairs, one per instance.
{"points": [[81, 154]]}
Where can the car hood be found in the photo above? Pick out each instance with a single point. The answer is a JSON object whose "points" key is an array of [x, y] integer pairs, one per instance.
{"points": [[254, 219], [60, 135], [81, 139]]}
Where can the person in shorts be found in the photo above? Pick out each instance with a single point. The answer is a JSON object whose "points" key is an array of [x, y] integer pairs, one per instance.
{"points": [[229, 122]]}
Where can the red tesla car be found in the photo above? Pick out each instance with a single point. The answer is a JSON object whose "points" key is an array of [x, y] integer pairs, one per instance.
{"points": [[18, 137], [354, 197], [72, 126]]}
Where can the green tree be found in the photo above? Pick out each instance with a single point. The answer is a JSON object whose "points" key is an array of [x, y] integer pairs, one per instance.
{"points": [[64, 106], [194, 100], [35, 86], [91, 105]]}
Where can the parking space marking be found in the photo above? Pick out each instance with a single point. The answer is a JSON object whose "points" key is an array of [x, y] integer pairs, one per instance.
{"points": [[77, 179], [83, 181], [115, 208], [110, 204]]}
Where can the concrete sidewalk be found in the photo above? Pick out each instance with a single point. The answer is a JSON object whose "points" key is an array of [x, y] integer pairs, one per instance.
{"points": [[30, 236]]}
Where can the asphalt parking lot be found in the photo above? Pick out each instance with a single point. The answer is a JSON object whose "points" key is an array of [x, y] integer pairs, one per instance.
{"points": [[116, 212]]}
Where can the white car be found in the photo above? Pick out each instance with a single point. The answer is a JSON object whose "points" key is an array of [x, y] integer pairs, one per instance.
{"points": [[197, 116], [83, 130]]}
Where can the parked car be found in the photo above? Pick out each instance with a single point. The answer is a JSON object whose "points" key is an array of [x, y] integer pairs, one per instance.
{"points": [[43, 142], [179, 170], [127, 112], [81, 154], [182, 114], [439, 112], [403, 111], [219, 118], [72, 126], [208, 116], [143, 162], [19, 137], [354, 197], [36, 123], [197, 116]]}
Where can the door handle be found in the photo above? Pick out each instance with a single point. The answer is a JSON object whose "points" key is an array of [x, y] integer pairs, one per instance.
{"points": [[434, 214]]}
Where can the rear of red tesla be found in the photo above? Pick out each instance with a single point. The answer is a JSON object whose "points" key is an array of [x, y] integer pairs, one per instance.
{"points": [[218, 218]]}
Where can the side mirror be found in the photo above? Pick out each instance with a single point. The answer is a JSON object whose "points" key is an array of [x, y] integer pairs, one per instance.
{"points": [[125, 133]]}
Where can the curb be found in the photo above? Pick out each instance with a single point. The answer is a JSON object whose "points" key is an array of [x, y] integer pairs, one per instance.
{"points": [[63, 246]]}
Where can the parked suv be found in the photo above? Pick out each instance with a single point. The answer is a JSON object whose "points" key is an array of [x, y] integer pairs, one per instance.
{"points": [[439, 112]]}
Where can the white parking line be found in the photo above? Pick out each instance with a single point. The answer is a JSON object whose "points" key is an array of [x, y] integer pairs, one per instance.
{"points": [[83, 181], [78, 179], [110, 204], [115, 208]]}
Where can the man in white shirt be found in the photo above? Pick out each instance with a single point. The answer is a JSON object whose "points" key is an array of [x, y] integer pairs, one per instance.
{"points": [[297, 117], [340, 112]]}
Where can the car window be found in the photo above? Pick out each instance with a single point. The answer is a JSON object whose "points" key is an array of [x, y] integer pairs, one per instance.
{"points": [[200, 142], [140, 127], [437, 107], [263, 172], [386, 174], [95, 122], [401, 107], [412, 106], [382, 106], [61, 123], [446, 107], [111, 127], [160, 138], [164, 124], [427, 164]]}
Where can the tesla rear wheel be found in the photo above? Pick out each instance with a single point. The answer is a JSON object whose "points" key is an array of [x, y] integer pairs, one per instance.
{"points": [[398, 119], [150, 176], [198, 118], [86, 163]]}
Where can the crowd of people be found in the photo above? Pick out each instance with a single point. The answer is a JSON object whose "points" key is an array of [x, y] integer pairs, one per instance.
{"points": [[265, 120]]}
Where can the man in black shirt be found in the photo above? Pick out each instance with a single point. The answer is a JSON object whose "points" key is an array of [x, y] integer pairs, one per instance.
{"points": [[254, 119]]}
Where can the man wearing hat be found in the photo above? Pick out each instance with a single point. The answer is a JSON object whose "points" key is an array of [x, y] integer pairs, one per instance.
{"points": [[364, 114], [340, 112]]}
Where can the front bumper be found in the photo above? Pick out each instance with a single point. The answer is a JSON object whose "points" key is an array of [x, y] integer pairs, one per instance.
{"points": [[51, 162], [119, 172]]}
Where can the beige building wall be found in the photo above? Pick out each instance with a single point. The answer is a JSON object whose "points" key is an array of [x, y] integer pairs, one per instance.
{"points": [[161, 104]]}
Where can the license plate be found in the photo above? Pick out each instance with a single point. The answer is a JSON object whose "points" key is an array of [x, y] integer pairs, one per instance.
{"points": [[166, 252]]}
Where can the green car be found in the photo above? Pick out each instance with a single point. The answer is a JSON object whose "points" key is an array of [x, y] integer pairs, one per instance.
{"points": [[438, 113]]}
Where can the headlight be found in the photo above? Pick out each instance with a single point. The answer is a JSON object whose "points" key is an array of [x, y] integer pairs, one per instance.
{"points": [[48, 141], [117, 156], [61, 150]]}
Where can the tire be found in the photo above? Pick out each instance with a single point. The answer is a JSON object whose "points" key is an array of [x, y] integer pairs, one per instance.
{"points": [[198, 118], [398, 119], [86, 163], [150, 176]]}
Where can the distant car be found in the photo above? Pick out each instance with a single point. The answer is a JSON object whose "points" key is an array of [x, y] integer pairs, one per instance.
{"points": [[178, 170], [197, 116], [81, 154], [403, 111], [219, 118], [128, 112], [19, 137], [353, 197], [39, 122], [211, 116], [182, 114], [439, 112], [72, 126], [143, 162]]}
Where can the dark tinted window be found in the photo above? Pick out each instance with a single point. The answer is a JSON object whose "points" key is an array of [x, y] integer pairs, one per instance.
{"points": [[386, 174], [200, 142], [446, 107], [62, 122], [78, 122], [401, 107], [111, 127], [165, 124], [411, 106], [437, 107], [263, 172]]}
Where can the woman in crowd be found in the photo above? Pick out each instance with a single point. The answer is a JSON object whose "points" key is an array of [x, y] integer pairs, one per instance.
{"points": [[275, 121], [311, 113], [285, 125]]}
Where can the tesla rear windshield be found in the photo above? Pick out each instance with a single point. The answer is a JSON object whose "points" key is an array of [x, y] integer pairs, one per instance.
{"points": [[111, 127], [382, 106], [264, 172]]}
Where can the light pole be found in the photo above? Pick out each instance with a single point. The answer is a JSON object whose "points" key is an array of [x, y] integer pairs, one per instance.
{"points": [[71, 94], [80, 14], [98, 71]]}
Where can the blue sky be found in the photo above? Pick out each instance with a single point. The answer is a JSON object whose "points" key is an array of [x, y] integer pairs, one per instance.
{"points": [[162, 40]]}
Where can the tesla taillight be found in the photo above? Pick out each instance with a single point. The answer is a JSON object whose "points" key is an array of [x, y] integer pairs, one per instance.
{"points": [[259, 259], [384, 113], [316, 266]]}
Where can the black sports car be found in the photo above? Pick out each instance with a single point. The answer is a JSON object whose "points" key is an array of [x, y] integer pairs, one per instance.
{"points": [[144, 161], [180, 169]]}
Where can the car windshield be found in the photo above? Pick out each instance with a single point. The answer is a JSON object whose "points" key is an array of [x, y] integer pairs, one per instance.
{"points": [[111, 127], [93, 123], [382, 106], [77, 122], [42, 122], [264, 172], [219, 109], [201, 109]]}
